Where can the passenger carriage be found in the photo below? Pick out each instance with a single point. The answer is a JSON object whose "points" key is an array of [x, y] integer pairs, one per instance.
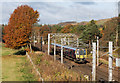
{"points": [[78, 54]]}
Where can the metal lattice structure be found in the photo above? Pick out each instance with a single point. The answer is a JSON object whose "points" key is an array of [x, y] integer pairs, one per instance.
{"points": [[68, 39]]}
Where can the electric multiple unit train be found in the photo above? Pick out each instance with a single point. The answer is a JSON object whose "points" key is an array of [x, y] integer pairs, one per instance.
{"points": [[78, 54]]}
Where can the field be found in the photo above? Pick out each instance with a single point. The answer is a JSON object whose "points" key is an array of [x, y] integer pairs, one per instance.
{"points": [[16, 67]]}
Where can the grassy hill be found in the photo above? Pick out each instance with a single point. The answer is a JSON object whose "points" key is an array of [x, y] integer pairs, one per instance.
{"points": [[106, 26], [98, 22]]}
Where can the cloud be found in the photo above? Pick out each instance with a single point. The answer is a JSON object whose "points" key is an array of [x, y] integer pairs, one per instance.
{"points": [[119, 7], [54, 12], [86, 3]]}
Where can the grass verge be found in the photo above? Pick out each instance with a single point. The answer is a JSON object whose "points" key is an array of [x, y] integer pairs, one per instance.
{"points": [[54, 71], [17, 68]]}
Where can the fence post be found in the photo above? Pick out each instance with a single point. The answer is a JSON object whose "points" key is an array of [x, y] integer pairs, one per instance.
{"points": [[97, 51], [48, 44], [54, 50], [61, 50], [110, 61], [94, 63]]}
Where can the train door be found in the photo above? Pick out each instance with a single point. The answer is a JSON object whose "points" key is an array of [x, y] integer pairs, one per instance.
{"points": [[81, 54]]}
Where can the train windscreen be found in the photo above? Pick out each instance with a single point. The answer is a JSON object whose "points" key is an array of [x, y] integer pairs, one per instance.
{"points": [[82, 52]]}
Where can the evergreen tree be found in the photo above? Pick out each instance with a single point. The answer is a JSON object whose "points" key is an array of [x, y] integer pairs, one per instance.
{"points": [[90, 33]]}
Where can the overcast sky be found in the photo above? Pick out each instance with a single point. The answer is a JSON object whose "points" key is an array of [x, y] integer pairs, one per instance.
{"points": [[55, 11]]}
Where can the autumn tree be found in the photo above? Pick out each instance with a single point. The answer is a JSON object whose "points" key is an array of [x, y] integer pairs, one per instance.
{"points": [[56, 28], [44, 30], [109, 32], [67, 29], [18, 30]]}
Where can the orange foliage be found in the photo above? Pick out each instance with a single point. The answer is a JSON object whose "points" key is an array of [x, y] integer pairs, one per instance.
{"points": [[67, 29], [44, 30], [18, 30]]}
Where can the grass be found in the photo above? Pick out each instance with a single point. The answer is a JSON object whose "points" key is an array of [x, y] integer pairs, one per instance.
{"points": [[54, 71], [7, 51], [16, 67]]}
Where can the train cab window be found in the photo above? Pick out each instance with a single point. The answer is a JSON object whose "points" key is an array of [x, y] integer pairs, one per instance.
{"points": [[77, 52], [84, 52], [81, 52]]}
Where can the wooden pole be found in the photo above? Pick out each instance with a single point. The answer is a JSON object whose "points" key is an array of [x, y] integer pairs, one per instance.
{"points": [[94, 63]]}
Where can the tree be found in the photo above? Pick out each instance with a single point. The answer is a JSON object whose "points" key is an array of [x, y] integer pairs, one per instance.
{"points": [[44, 30], [90, 33], [56, 28], [118, 31], [67, 29], [110, 32], [78, 29], [18, 30]]}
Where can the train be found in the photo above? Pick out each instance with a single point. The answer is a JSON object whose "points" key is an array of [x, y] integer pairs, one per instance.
{"points": [[77, 54]]}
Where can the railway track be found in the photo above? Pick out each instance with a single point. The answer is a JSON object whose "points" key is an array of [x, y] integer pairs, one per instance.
{"points": [[86, 69]]}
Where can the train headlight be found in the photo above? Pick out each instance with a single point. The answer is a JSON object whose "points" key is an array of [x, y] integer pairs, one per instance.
{"points": [[91, 52]]}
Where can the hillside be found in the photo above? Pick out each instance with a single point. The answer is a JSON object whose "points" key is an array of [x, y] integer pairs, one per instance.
{"points": [[102, 21], [107, 28], [66, 23], [98, 22]]}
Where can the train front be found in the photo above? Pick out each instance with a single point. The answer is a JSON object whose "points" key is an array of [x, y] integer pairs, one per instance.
{"points": [[81, 54]]}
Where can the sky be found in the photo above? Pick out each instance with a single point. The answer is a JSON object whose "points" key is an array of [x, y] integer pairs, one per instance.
{"points": [[56, 11]]}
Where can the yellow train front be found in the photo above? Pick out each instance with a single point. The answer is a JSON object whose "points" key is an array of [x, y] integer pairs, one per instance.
{"points": [[77, 54], [81, 54]]}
